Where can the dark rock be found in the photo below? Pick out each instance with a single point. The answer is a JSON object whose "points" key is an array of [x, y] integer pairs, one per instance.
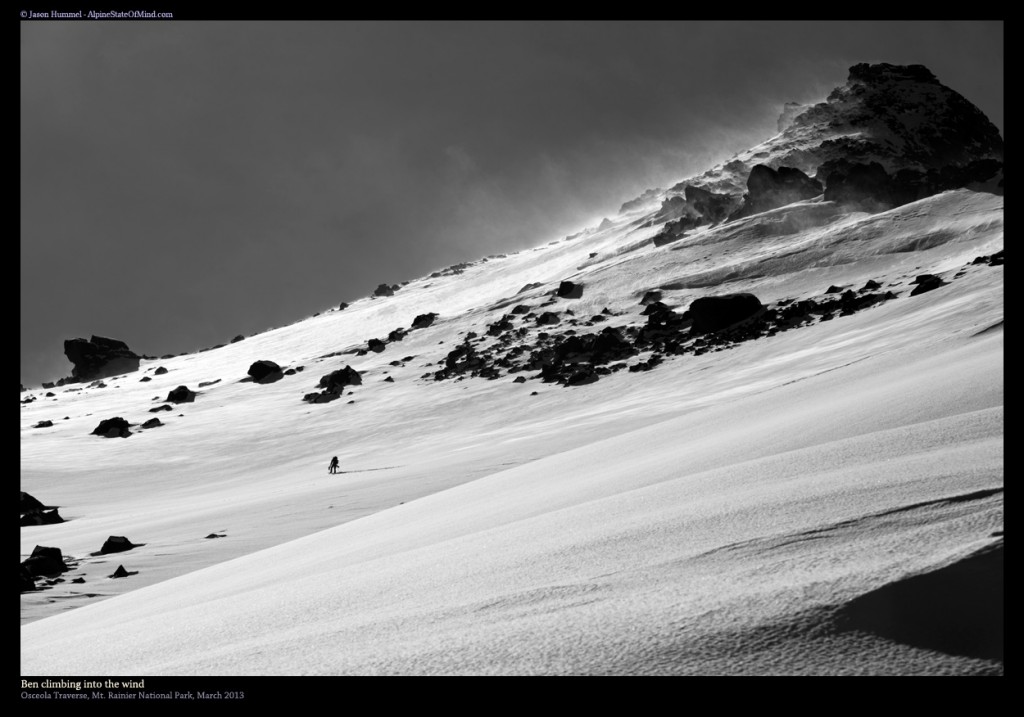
{"points": [[45, 561], [396, 335], [871, 285], [650, 297], [160, 371], [423, 320], [925, 283], [152, 423], [768, 189], [866, 185], [28, 503], [112, 428], [122, 573], [43, 424], [570, 290], [384, 290], [336, 381], [46, 384], [204, 384], [321, 397], [116, 544], [389, 379], [264, 371], [164, 407], [528, 287], [713, 313], [78, 580], [181, 395], [144, 379], [711, 207], [41, 517], [99, 358], [289, 372], [521, 309], [833, 289], [547, 318], [27, 582], [375, 345], [50, 394], [582, 377], [342, 306], [996, 259], [519, 379]]}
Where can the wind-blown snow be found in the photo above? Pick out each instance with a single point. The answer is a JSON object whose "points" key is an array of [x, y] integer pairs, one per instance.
{"points": [[712, 515]]}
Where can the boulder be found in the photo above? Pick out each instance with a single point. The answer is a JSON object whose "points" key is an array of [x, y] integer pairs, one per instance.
{"points": [[264, 371], [46, 384], [181, 395], [112, 428], [116, 544], [342, 306], [99, 357], [713, 313], [164, 407], [570, 290], [160, 371], [375, 345], [423, 320], [43, 424], [925, 283], [384, 290], [152, 423], [45, 561], [547, 318], [237, 339]]}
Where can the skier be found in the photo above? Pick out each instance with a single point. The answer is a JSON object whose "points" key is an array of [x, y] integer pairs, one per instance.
{"points": [[334, 465]]}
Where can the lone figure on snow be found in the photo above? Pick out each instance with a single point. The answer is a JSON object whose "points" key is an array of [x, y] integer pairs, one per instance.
{"points": [[333, 468]]}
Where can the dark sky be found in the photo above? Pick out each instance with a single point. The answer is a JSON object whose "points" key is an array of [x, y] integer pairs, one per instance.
{"points": [[185, 182]]}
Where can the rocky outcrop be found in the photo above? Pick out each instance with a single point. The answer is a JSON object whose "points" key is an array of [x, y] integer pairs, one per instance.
{"points": [[384, 290], [333, 385], [112, 428], [99, 357], [41, 517], [768, 188], [713, 313]]}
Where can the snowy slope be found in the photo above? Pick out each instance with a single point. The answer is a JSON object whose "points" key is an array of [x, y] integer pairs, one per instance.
{"points": [[713, 515]]}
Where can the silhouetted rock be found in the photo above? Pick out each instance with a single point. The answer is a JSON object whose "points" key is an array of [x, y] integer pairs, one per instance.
{"points": [[396, 335], [264, 371], [204, 384], [336, 381], [519, 379], [521, 309], [43, 424], [41, 517], [160, 371], [833, 289], [122, 573], [152, 423], [375, 345], [712, 207], [237, 339], [99, 358], [116, 544], [144, 379], [384, 290], [713, 313], [570, 290], [44, 561], [871, 285], [423, 320], [181, 395], [112, 428], [28, 503], [925, 283], [768, 189], [547, 318], [389, 379], [342, 306], [164, 407], [27, 583], [865, 185], [650, 297], [46, 384]]}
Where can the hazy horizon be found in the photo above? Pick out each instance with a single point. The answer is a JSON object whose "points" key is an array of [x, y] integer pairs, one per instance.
{"points": [[185, 182]]}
